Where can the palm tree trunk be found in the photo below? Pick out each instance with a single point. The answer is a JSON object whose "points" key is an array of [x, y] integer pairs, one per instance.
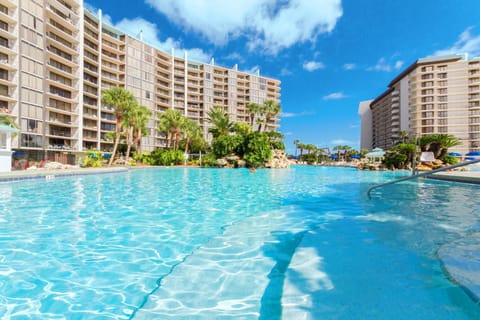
{"points": [[115, 145], [129, 141], [187, 142], [138, 140]]}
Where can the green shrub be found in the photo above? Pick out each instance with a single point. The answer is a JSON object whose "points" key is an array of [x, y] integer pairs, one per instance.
{"points": [[395, 160], [451, 160], [93, 159], [225, 145], [208, 160], [257, 149], [278, 145], [144, 158]]}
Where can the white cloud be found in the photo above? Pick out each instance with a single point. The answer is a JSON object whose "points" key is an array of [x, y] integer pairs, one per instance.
{"points": [[235, 56], [285, 72], [398, 65], [466, 43], [349, 66], [354, 126], [335, 96], [150, 33], [268, 25], [253, 70], [292, 115], [383, 65], [313, 65]]}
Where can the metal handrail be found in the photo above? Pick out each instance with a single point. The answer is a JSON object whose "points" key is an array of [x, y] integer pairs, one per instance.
{"points": [[427, 173]]}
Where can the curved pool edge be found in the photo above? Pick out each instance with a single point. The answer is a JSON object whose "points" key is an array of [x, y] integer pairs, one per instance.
{"points": [[49, 174]]}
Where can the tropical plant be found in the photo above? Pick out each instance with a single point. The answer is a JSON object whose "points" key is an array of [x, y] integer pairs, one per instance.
{"points": [[296, 142], [93, 159], [404, 135], [451, 160], [400, 156], [242, 128], [253, 109], [170, 124], [7, 120], [341, 149], [135, 121], [191, 131], [302, 147], [438, 144], [257, 149], [220, 121], [271, 109], [166, 157], [225, 145], [121, 101]]}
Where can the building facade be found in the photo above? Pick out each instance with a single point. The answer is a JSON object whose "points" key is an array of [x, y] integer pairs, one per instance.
{"points": [[56, 58], [433, 95]]}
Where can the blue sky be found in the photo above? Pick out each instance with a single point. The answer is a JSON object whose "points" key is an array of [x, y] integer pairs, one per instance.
{"points": [[329, 54]]}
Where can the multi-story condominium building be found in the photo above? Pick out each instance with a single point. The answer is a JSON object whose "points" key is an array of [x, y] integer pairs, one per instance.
{"points": [[56, 58], [433, 95]]}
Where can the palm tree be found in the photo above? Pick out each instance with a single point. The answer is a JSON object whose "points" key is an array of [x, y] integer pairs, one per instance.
{"points": [[271, 109], [220, 121], [296, 142], [135, 120], [438, 144], [121, 101], [190, 130], [404, 135], [253, 109], [301, 146], [344, 148], [170, 124], [346, 151]]}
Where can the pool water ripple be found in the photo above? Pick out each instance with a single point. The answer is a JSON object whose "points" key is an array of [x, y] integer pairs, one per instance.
{"points": [[203, 244]]}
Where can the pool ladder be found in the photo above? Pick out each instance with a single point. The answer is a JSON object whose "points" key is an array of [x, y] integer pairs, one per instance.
{"points": [[423, 174]]}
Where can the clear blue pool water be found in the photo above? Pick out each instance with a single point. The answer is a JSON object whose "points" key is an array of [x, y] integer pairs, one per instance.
{"points": [[174, 243]]}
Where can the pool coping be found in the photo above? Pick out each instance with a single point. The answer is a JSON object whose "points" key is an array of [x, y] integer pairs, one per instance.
{"points": [[49, 174], [457, 176]]}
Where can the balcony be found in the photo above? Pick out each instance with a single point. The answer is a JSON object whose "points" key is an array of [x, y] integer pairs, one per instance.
{"points": [[63, 19], [56, 40], [7, 46]]}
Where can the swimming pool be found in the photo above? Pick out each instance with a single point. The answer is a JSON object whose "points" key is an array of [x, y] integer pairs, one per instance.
{"points": [[176, 243]]}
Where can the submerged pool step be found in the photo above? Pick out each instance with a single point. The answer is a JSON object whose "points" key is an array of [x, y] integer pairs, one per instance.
{"points": [[234, 274]]}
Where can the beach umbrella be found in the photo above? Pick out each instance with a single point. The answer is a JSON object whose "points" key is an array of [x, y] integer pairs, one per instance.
{"points": [[455, 154], [470, 158], [333, 156], [473, 153], [355, 156], [18, 154]]}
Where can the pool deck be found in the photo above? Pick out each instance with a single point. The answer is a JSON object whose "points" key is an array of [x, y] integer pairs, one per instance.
{"points": [[472, 177], [52, 173]]}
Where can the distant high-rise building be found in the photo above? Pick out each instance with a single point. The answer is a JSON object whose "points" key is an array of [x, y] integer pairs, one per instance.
{"points": [[56, 58], [433, 95]]}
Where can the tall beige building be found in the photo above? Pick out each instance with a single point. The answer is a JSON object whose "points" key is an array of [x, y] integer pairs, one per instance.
{"points": [[433, 95], [56, 58]]}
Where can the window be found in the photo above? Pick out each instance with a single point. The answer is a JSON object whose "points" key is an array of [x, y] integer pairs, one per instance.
{"points": [[442, 91], [147, 94], [442, 98], [31, 141]]}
